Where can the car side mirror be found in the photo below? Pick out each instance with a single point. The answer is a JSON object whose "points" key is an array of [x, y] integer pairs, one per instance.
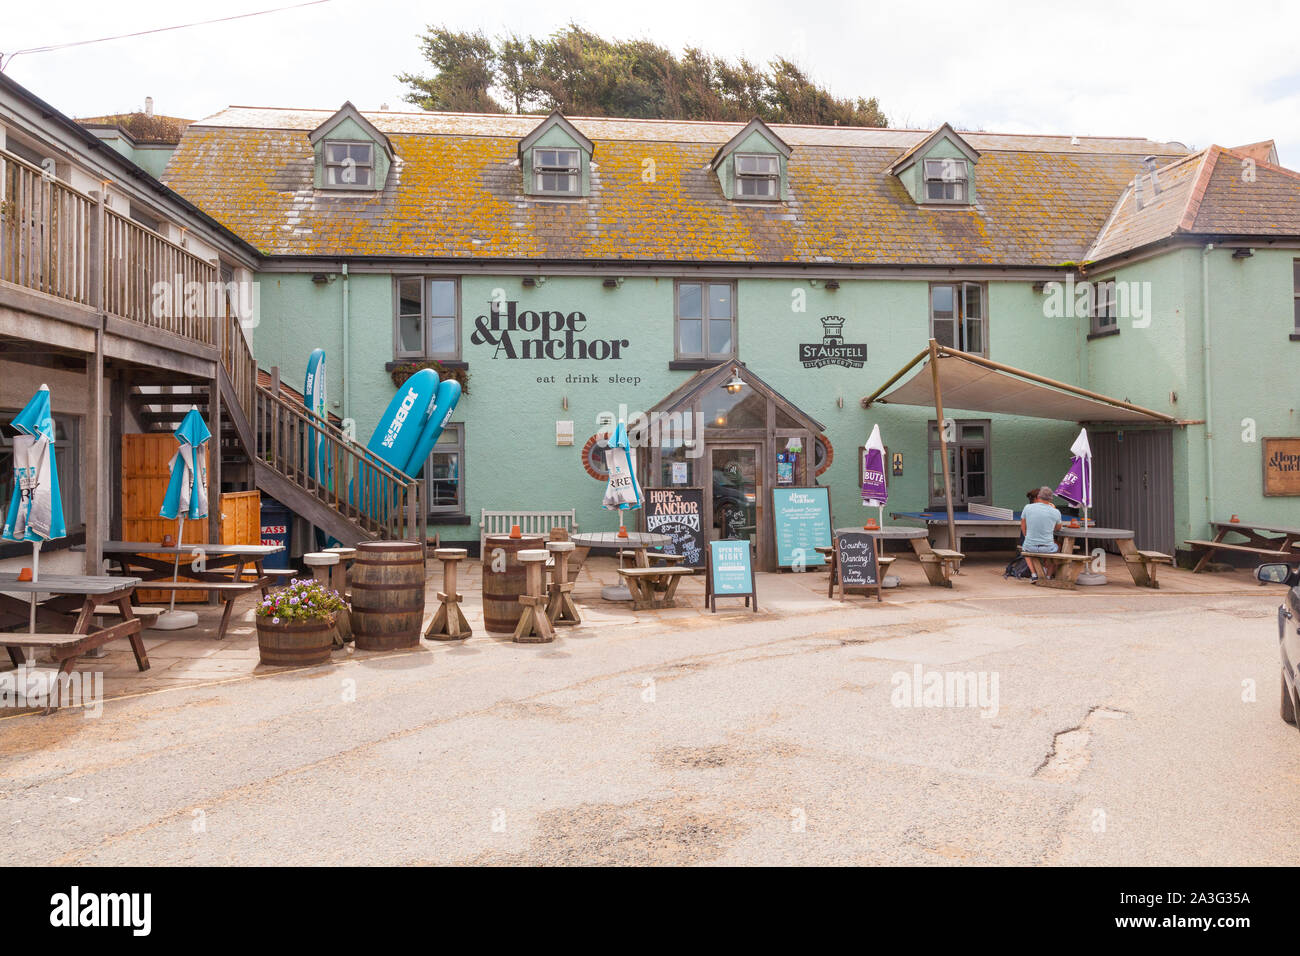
{"points": [[1273, 573]]}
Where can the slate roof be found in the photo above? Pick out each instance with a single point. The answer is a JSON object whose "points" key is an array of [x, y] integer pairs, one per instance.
{"points": [[455, 191], [1216, 192]]}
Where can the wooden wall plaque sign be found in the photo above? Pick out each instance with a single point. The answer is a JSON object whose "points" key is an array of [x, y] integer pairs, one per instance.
{"points": [[1282, 466]]}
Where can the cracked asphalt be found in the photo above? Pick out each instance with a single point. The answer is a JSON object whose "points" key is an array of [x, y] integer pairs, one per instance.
{"points": [[1124, 733]]}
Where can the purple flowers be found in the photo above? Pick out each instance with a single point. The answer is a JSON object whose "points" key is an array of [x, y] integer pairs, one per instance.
{"points": [[302, 599]]}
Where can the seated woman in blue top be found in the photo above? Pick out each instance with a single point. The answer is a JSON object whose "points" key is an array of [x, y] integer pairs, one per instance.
{"points": [[1039, 523]]}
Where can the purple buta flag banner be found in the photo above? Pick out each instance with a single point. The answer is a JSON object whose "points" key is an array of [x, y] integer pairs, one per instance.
{"points": [[1076, 486], [874, 490]]}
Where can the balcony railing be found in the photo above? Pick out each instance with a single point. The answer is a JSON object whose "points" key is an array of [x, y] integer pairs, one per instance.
{"points": [[60, 241], [45, 232]]}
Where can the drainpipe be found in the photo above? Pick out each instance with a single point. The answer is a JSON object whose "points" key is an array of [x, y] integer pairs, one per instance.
{"points": [[1209, 388], [347, 351]]}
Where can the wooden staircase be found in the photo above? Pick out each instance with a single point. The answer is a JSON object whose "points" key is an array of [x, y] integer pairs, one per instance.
{"points": [[269, 441]]}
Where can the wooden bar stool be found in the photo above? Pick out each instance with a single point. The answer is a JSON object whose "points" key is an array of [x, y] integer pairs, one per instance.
{"points": [[339, 577], [560, 608], [324, 566], [533, 627], [449, 622]]}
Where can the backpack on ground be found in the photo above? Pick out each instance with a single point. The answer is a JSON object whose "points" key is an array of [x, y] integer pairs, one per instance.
{"points": [[1019, 568]]}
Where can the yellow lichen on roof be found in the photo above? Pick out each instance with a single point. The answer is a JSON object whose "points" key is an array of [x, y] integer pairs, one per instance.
{"points": [[461, 196]]}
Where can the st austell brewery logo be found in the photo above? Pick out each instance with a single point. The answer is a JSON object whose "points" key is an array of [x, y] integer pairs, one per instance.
{"points": [[832, 349]]}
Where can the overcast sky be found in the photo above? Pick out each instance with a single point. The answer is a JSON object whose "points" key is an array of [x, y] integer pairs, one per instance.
{"points": [[1195, 72]]}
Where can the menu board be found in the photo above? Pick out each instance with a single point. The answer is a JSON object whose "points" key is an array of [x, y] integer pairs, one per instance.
{"points": [[678, 513], [802, 519], [730, 572], [855, 558]]}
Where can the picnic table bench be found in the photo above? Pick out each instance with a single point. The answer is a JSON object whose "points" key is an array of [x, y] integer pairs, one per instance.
{"points": [[1262, 541], [653, 588], [66, 645], [220, 562], [225, 591], [1064, 568], [1142, 564]]}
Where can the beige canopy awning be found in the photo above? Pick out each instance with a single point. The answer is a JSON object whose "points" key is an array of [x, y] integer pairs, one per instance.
{"points": [[971, 383]]}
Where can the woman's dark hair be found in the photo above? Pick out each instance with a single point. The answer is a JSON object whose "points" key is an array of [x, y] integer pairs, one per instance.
{"points": [[1032, 494]]}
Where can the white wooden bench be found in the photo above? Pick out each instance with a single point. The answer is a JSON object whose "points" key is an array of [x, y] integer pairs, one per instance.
{"points": [[530, 522]]}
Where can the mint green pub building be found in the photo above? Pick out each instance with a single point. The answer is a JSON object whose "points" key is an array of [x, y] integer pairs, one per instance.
{"points": [[735, 292]]}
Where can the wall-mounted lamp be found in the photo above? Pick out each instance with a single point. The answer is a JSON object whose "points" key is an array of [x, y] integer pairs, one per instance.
{"points": [[1040, 287], [1242, 253], [832, 284], [530, 281], [320, 278], [613, 283], [735, 384]]}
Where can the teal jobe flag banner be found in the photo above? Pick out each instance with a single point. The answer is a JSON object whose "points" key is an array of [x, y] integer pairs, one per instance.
{"points": [[730, 567], [802, 518]]}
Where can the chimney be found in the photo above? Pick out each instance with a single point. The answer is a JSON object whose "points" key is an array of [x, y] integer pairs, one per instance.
{"points": [[1150, 164], [1137, 192], [148, 106]]}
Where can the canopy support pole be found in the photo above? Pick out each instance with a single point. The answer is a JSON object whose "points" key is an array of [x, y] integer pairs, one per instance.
{"points": [[943, 444]]}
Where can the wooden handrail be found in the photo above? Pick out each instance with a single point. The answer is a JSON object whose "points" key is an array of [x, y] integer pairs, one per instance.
{"points": [[45, 229], [351, 480]]}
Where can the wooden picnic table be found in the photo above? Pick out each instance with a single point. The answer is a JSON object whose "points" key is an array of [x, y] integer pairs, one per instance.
{"points": [[217, 561], [1262, 540], [939, 564], [65, 592], [636, 541]]}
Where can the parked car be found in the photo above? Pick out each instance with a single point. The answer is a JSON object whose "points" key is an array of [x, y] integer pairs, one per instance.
{"points": [[1288, 632]]}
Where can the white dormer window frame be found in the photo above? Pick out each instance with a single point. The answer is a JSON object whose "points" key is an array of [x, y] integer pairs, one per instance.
{"points": [[557, 171], [349, 164], [758, 176], [946, 180]]}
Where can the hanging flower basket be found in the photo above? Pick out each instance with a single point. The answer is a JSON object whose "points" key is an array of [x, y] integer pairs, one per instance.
{"points": [[400, 373], [296, 623]]}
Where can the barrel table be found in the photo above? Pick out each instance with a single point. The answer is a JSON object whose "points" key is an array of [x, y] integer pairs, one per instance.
{"points": [[387, 579], [504, 580]]}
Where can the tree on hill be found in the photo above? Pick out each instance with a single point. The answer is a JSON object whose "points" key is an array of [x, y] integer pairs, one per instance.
{"points": [[583, 74]]}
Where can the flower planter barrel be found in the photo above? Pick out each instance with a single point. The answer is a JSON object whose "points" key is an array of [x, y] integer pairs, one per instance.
{"points": [[295, 643], [503, 580], [387, 580]]}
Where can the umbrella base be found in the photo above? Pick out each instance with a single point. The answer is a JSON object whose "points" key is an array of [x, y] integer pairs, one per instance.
{"points": [[175, 621], [1088, 579]]}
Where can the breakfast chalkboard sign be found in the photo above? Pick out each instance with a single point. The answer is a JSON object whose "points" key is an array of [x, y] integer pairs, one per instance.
{"points": [[802, 521], [855, 562], [678, 513]]}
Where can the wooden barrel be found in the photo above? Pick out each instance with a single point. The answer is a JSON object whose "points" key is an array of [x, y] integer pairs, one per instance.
{"points": [[387, 579], [503, 580], [294, 644]]}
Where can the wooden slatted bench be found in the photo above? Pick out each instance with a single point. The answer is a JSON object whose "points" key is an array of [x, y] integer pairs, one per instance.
{"points": [[653, 588], [530, 522], [228, 593], [1065, 568], [940, 564], [1210, 547], [1142, 566]]}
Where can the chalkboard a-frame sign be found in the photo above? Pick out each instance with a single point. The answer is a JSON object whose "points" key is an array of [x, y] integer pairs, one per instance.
{"points": [[856, 566], [729, 572]]}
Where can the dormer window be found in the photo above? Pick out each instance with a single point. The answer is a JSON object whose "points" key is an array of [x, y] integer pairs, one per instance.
{"points": [[753, 165], [350, 153], [556, 159], [758, 176], [945, 180], [349, 164], [557, 172], [939, 170]]}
